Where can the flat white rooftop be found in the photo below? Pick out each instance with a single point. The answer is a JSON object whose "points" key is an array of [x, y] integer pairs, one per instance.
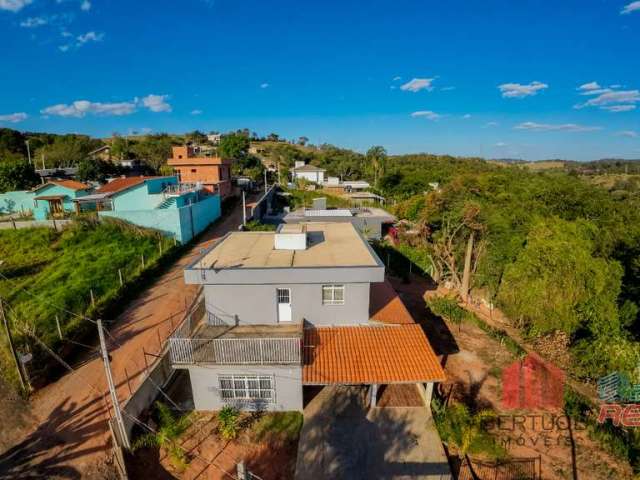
{"points": [[329, 245]]}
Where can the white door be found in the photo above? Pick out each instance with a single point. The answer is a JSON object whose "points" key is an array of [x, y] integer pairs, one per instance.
{"points": [[284, 304]]}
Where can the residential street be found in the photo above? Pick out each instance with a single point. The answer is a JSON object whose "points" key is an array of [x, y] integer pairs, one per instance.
{"points": [[71, 438]]}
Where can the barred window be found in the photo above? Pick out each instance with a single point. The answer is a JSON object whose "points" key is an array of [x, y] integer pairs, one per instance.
{"points": [[333, 294], [247, 387]]}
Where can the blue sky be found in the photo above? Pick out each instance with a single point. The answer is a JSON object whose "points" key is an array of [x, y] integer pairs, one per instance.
{"points": [[492, 78]]}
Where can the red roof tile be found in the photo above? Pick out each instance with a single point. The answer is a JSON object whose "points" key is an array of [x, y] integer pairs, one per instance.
{"points": [[369, 354], [71, 184], [386, 306], [120, 184]]}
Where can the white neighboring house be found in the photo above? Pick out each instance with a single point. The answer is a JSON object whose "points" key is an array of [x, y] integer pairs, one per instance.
{"points": [[214, 138], [308, 172]]}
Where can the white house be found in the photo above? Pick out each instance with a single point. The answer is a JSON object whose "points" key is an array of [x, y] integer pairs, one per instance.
{"points": [[310, 173]]}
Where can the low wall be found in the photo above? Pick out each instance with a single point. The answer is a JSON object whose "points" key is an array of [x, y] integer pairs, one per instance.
{"points": [[261, 207], [13, 225], [14, 202], [165, 220], [181, 223]]}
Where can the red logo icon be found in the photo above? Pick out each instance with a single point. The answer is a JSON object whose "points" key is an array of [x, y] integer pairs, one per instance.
{"points": [[532, 383]]}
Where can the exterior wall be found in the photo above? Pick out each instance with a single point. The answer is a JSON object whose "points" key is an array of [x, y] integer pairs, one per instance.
{"points": [[317, 177], [165, 220], [288, 385], [216, 178], [197, 217], [145, 196], [256, 304], [69, 195], [182, 223], [18, 201]]}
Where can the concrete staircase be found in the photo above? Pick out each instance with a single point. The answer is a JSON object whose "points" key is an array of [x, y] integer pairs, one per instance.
{"points": [[167, 203]]}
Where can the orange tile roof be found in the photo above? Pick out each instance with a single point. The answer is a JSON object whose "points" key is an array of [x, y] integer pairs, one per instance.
{"points": [[386, 306], [368, 354], [71, 184], [120, 184]]}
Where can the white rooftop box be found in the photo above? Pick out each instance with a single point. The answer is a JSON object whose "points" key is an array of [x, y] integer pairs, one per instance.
{"points": [[291, 237]]}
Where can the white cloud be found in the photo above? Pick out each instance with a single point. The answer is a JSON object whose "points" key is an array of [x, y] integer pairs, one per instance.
{"points": [[491, 124], [81, 40], [397, 78], [631, 7], [85, 6], [614, 100], [500, 144], [33, 22], [81, 108], [196, 112], [428, 114], [13, 5], [628, 133], [417, 84], [619, 108], [14, 117], [466, 115], [90, 37], [156, 103], [517, 90], [549, 127], [589, 86], [264, 85]]}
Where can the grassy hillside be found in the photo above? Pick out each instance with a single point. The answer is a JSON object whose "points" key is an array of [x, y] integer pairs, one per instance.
{"points": [[47, 274]]}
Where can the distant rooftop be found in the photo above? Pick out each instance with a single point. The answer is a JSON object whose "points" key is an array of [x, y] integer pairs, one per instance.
{"points": [[329, 245], [342, 212], [309, 168]]}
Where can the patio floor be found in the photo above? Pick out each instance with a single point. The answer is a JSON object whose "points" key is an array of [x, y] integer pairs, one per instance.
{"points": [[342, 438]]}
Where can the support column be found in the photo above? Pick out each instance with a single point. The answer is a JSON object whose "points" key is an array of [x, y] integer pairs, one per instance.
{"points": [[428, 393], [373, 395]]}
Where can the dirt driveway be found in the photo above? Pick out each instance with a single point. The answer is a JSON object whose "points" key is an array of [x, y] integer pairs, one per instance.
{"points": [[341, 438], [69, 437]]}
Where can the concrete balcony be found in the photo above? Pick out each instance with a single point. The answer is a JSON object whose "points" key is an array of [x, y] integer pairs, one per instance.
{"points": [[211, 341]]}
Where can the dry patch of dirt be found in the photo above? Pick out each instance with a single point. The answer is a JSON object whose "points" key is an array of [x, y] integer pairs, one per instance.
{"points": [[270, 456], [474, 363]]}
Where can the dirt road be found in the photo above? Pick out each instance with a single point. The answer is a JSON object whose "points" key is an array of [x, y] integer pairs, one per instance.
{"points": [[70, 435]]}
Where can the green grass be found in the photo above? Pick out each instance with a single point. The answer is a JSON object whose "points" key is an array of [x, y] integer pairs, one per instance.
{"points": [[49, 271], [283, 425]]}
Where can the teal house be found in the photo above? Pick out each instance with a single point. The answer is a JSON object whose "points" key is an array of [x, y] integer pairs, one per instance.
{"points": [[53, 198], [178, 210]]}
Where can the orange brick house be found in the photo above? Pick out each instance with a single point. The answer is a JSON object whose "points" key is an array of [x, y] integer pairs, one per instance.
{"points": [[214, 173]]}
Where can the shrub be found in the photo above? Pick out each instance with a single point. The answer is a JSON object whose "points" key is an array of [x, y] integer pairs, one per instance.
{"points": [[228, 422]]}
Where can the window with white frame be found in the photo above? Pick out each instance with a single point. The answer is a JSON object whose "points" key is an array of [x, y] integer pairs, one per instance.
{"points": [[247, 387], [333, 294]]}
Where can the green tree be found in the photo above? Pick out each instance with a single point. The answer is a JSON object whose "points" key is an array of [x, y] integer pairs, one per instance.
{"points": [[96, 170], [16, 174], [377, 157], [234, 146], [558, 283], [65, 151], [171, 427], [154, 150], [196, 137]]}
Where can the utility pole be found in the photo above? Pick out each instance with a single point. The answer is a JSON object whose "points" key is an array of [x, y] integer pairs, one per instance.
{"points": [[28, 151], [265, 180], [23, 383], [244, 210], [112, 389]]}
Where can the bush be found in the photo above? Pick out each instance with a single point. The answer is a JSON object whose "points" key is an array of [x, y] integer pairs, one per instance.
{"points": [[228, 423]]}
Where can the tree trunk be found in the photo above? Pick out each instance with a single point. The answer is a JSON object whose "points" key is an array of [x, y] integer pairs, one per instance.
{"points": [[466, 275]]}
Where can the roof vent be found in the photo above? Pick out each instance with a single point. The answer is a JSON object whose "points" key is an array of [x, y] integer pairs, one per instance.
{"points": [[291, 237]]}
